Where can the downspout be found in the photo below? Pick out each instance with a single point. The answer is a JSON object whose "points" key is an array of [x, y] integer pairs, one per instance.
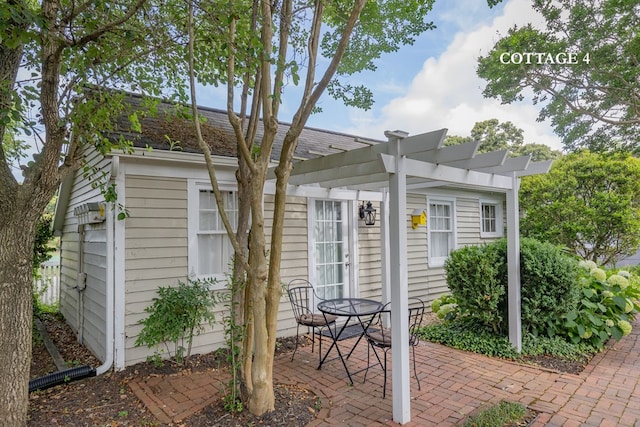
{"points": [[81, 283], [110, 282]]}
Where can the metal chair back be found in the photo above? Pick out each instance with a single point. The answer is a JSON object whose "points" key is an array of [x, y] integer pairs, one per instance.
{"points": [[301, 295], [379, 336]]}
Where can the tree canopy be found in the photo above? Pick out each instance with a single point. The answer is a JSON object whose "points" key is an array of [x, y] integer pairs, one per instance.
{"points": [[588, 202], [494, 135], [583, 68]]}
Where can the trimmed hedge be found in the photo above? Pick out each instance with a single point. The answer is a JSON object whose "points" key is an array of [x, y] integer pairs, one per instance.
{"points": [[477, 277], [473, 276]]}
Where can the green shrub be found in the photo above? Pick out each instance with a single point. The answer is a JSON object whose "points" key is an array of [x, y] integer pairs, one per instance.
{"points": [[478, 279], [548, 284], [41, 249], [176, 316], [445, 307], [608, 303], [472, 276]]}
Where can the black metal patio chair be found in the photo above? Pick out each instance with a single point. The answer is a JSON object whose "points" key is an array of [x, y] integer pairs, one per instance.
{"points": [[379, 337], [302, 295]]}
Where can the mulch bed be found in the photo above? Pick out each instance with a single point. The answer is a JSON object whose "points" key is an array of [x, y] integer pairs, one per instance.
{"points": [[108, 400]]}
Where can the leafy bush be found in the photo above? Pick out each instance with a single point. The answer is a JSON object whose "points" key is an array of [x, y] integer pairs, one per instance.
{"points": [[41, 249], [607, 305], [548, 284], [177, 315], [445, 307], [472, 276], [478, 279]]}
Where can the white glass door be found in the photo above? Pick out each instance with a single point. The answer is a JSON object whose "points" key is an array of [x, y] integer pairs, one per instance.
{"points": [[331, 241]]}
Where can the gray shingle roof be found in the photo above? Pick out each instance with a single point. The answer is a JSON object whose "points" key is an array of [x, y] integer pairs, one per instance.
{"points": [[171, 130]]}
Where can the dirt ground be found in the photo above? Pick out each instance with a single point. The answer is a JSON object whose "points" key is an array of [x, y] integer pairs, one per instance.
{"points": [[107, 400]]}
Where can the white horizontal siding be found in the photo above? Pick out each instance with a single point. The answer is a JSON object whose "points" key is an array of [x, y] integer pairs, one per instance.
{"points": [[155, 250], [294, 253], [94, 263], [468, 221], [369, 258]]}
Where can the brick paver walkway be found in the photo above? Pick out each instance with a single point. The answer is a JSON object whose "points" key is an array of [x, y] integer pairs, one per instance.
{"points": [[454, 384]]}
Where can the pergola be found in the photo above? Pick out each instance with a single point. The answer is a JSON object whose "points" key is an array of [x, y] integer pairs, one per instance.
{"points": [[407, 163]]}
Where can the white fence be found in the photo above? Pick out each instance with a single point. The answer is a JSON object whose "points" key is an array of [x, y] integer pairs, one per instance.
{"points": [[47, 286]]}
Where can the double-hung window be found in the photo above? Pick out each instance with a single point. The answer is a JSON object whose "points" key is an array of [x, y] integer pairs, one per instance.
{"points": [[210, 250], [491, 224], [441, 230]]}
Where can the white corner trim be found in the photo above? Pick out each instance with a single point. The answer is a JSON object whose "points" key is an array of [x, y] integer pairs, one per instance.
{"points": [[119, 285]]}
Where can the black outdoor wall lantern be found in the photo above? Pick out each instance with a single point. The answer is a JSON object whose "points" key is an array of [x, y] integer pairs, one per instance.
{"points": [[368, 214]]}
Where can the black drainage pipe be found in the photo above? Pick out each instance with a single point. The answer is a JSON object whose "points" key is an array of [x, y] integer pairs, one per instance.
{"points": [[61, 377]]}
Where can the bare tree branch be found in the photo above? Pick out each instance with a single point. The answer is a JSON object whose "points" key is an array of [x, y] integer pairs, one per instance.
{"points": [[207, 152]]}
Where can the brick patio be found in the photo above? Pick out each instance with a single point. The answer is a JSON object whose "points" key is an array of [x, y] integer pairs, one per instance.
{"points": [[454, 384]]}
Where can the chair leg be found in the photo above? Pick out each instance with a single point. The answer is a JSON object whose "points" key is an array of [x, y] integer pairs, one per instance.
{"points": [[319, 331], [370, 347], [368, 363], [415, 370], [384, 386], [313, 339], [297, 338]]}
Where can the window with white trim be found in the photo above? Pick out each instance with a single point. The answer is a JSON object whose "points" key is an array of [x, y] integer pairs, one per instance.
{"points": [[491, 224], [210, 250], [441, 229]]}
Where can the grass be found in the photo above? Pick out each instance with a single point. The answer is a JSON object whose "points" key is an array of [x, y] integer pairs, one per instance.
{"points": [[497, 415]]}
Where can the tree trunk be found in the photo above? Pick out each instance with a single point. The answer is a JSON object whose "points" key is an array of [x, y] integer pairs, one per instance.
{"points": [[16, 275], [261, 397]]}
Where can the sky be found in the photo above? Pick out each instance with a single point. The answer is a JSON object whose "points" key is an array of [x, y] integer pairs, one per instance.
{"points": [[431, 84]]}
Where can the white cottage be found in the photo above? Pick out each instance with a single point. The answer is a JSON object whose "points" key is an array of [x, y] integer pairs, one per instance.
{"points": [[111, 268]]}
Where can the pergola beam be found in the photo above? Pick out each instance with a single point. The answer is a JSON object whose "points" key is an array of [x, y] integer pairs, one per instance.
{"points": [[337, 172], [430, 171]]}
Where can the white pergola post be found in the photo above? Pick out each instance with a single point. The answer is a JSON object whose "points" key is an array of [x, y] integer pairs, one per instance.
{"points": [[385, 267], [399, 289], [513, 266]]}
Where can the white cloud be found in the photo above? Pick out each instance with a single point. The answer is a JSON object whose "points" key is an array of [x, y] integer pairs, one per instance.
{"points": [[448, 93]]}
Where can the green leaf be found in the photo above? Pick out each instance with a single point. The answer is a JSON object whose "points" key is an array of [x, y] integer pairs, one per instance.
{"points": [[620, 301], [616, 332]]}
